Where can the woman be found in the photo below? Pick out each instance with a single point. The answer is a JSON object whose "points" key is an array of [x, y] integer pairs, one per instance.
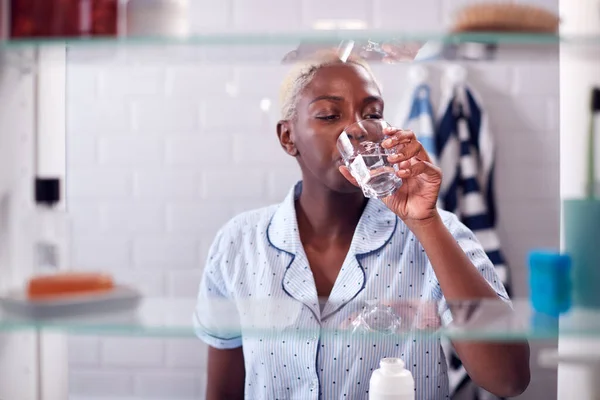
{"points": [[327, 241]]}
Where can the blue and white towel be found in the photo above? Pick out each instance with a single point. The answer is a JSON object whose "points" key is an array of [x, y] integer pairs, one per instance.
{"points": [[466, 157], [420, 119]]}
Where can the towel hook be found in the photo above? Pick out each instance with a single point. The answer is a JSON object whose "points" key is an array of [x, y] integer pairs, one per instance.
{"points": [[418, 74], [456, 74]]}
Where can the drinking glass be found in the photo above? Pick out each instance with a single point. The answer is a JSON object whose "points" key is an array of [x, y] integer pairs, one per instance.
{"points": [[360, 147]]}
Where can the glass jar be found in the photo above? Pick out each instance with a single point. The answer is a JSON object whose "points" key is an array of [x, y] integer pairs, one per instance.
{"points": [[63, 18]]}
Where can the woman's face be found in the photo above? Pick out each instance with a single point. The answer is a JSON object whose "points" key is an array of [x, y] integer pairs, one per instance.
{"points": [[339, 95]]}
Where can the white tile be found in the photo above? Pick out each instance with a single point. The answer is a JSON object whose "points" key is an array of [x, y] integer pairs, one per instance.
{"points": [[198, 81], [266, 15], [314, 11], [163, 116], [539, 149], [87, 115], [238, 183], [240, 206], [553, 114], [208, 15], [186, 353], [100, 56], [100, 252], [521, 113], [132, 352], [280, 182], [82, 150], [149, 283], [261, 151], [127, 81], [131, 151], [405, 15], [92, 397], [82, 80], [185, 283], [167, 385], [537, 79], [197, 218], [242, 114], [531, 217], [166, 184], [84, 351], [165, 252], [98, 183], [204, 248], [85, 218], [260, 81], [100, 383], [134, 218], [215, 150], [537, 182], [492, 80], [392, 80]]}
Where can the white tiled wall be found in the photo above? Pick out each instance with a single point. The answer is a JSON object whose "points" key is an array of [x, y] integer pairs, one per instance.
{"points": [[161, 153]]}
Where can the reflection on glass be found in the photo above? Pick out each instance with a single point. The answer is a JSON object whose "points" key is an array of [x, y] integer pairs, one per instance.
{"points": [[471, 320]]}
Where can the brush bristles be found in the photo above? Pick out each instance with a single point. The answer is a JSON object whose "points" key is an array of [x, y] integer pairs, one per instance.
{"points": [[505, 17]]}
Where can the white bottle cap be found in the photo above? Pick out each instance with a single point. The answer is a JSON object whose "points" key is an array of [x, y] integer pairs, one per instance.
{"points": [[391, 366], [391, 381]]}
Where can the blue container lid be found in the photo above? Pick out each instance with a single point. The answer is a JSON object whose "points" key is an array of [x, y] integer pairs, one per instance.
{"points": [[549, 258]]}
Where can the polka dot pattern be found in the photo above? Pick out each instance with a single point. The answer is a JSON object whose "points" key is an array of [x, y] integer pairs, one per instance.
{"points": [[296, 348]]}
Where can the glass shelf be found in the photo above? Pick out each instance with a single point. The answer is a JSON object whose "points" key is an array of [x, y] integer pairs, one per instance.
{"points": [[265, 47], [472, 320], [328, 37]]}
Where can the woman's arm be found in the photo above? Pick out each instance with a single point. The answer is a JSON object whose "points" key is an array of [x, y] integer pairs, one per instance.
{"points": [[500, 368], [226, 374]]}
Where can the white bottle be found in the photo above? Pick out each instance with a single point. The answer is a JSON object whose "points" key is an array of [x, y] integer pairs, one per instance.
{"points": [[391, 381]]}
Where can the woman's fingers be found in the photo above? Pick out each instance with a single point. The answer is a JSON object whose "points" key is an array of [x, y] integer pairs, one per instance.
{"points": [[404, 152], [415, 167], [404, 145], [397, 136]]}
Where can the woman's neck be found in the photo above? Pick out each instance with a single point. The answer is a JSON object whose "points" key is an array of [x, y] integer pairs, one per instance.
{"points": [[322, 212]]}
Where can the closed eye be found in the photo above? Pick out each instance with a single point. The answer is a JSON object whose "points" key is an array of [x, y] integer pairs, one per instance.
{"points": [[329, 117]]}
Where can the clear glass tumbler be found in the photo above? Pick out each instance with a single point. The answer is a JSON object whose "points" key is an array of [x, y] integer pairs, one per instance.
{"points": [[360, 147]]}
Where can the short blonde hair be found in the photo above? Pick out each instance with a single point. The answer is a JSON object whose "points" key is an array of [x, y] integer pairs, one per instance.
{"points": [[303, 72]]}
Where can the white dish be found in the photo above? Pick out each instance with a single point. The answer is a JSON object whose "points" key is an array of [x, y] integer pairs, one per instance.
{"points": [[121, 298]]}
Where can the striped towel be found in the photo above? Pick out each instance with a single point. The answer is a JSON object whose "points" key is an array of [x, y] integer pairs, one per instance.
{"points": [[466, 157], [420, 119]]}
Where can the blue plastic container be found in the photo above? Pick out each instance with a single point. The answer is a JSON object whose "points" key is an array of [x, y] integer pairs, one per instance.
{"points": [[549, 282]]}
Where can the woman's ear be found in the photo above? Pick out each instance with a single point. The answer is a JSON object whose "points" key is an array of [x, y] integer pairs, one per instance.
{"points": [[284, 133]]}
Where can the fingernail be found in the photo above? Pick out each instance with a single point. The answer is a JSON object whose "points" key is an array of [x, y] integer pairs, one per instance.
{"points": [[387, 142]]}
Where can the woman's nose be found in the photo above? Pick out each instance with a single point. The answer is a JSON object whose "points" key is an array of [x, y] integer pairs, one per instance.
{"points": [[357, 118]]}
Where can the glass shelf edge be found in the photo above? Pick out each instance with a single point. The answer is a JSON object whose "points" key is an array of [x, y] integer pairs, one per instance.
{"points": [[314, 37], [173, 318]]}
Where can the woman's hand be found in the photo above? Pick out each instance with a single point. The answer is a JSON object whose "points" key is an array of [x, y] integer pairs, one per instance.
{"points": [[416, 199]]}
